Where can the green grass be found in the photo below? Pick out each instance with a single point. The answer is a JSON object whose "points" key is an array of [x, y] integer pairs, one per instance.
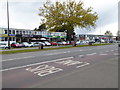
{"points": [[33, 50]]}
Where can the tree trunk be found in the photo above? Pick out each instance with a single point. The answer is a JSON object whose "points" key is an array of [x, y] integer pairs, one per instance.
{"points": [[69, 35]]}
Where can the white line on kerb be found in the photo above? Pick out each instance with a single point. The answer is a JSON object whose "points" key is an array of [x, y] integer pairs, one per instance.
{"points": [[34, 64], [83, 65], [90, 54]]}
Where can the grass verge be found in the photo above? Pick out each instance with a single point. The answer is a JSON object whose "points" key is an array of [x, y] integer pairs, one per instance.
{"points": [[33, 50]]}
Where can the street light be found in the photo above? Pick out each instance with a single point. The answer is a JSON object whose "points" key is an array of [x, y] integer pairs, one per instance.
{"points": [[8, 24]]}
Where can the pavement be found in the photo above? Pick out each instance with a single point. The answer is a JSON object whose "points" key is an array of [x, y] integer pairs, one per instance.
{"points": [[79, 67], [13, 49]]}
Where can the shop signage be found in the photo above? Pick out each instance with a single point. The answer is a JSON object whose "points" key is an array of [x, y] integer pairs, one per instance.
{"points": [[6, 35], [37, 35]]}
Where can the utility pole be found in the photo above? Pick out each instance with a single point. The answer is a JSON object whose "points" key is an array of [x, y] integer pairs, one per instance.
{"points": [[8, 24]]}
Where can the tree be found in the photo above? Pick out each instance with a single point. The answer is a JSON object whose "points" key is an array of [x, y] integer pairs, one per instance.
{"points": [[42, 27], [108, 33], [66, 16]]}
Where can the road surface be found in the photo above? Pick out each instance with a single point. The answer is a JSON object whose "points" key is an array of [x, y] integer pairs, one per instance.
{"points": [[79, 67]]}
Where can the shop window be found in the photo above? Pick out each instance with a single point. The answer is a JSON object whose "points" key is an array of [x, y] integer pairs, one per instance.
{"points": [[13, 38], [26, 32], [9, 31], [6, 38], [23, 32], [13, 31], [35, 33], [5, 31], [2, 39], [10, 38], [17, 32], [29, 32], [20, 32]]}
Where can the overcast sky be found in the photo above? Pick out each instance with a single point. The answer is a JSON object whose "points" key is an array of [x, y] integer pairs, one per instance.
{"points": [[23, 14]]}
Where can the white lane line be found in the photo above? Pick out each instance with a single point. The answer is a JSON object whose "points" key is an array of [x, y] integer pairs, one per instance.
{"points": [[90, 49], [31, 56], [68, 51], [17, 58], [91, 54], [35, 64], [81, 55], [106, 51], [103, 54], [56, 53], [83, 65]]}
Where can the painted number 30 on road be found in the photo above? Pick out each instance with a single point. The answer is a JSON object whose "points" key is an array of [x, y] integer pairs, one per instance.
{"points": [[44, 70]]}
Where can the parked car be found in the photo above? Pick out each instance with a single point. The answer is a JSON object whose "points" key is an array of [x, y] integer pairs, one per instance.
{"points": [[47, 43], [36, 44], [79, 43], [102, 41], [16, 45], [26, 44], [65, 43], [42, 43], [4, 45], [54, 43], [59, 43]]}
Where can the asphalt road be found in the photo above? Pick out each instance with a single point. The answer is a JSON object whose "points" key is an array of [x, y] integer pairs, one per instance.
{"points": [[83, 67]]}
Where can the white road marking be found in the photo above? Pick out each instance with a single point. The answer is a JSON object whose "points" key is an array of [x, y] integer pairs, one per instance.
{"points": [[90, 49], [44, 70], [83, 65], [111, 50], [56, 53], [103, 54], [106, 51], [32, 56], [17, 58], [91, 54], [68, 62], [81, 56], [34, 64], [68, 51]]}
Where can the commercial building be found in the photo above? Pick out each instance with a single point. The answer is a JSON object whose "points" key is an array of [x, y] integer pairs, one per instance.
{"points": [[94, 37], [24, 35]]}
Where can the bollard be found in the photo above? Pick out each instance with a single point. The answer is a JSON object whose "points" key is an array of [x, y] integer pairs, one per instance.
{"points": [[40, 46]]}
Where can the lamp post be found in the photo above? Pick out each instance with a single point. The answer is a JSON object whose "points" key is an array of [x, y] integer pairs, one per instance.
{"points": [[8, 24], [100, 31]]}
